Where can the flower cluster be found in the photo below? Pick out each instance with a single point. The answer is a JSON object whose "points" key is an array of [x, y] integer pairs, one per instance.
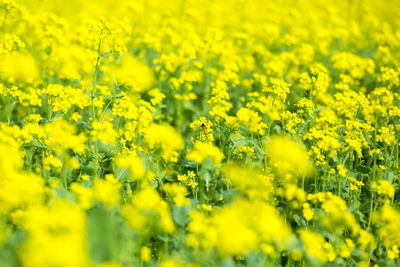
{"points": [[191, 133]]}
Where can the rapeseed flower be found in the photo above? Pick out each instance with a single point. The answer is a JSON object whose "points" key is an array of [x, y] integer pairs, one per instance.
{"points": [[202, 151], [288, 158]]}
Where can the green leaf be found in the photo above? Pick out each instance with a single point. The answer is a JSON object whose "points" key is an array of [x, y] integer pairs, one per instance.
{"points": [[180, 215]]}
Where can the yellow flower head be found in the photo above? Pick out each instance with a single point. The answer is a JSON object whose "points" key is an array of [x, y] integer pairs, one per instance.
{"points": [[288, 158], [166, 138], [202, 151]]}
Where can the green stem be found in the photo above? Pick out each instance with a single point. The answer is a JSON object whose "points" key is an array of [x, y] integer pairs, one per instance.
{"points": [[43, 167], [370, 211], [10, 110], [315, 183], [96, 69], [396, 163], [374, 170], [104, 110], [198, 181], [166, 245]]}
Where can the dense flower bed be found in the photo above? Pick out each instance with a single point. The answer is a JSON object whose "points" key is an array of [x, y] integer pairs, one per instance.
{"points": [[199, 133]]}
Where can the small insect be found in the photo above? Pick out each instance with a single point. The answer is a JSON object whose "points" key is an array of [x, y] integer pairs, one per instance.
{"points": [[204, 129]]}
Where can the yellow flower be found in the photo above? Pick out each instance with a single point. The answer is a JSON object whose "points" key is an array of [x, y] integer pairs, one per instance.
{"points": [[58, 230], [166, 138], [134, 163], [251, 182], [202, 151], [148, 208], [342, 171], [178, 193], [346, 248], [308, 213], [104, 131], [107, 191], [296, 255], [207, 207], [317, 247], [130, 71], [84, 195], [288, 158], [145, 254], [62, 136], [182, 178], [383, 187], [386, 220], [251, 119], [18, 67], [238, 228]]}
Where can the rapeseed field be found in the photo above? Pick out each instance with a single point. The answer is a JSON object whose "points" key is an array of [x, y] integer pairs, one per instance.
{"points": [[199, 133]]}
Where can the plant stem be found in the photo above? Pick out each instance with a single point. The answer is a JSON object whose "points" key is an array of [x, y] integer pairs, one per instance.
{"points": [[370, 210], [96, 69]]}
